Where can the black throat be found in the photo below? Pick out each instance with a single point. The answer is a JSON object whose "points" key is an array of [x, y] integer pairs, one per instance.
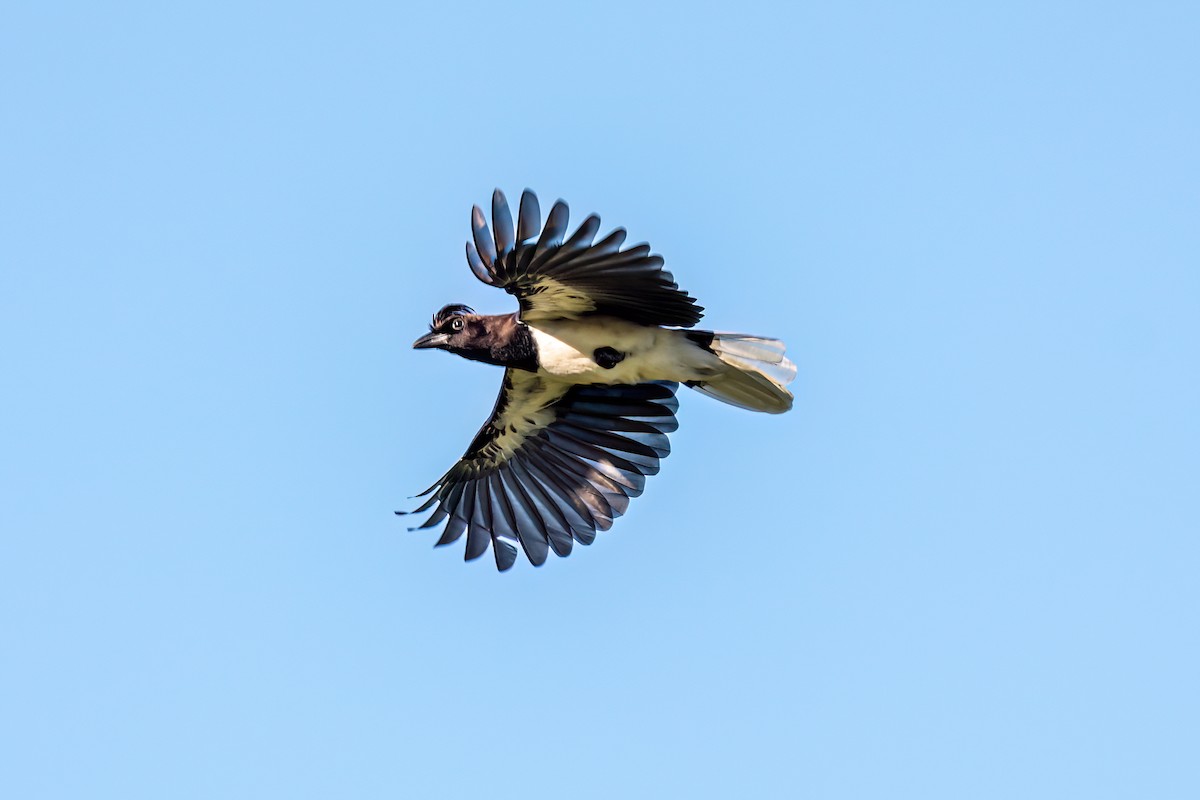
{"points": [[519, 351], [506, 342]]}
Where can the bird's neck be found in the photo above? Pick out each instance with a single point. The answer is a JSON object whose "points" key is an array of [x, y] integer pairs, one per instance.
{"points": [[507, 343]]}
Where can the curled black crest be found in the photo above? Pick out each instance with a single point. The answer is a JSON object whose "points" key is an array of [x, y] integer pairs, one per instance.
{"points": [[452, 310]]}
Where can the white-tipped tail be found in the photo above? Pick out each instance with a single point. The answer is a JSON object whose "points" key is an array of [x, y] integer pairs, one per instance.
{"points": [[756, 375]]}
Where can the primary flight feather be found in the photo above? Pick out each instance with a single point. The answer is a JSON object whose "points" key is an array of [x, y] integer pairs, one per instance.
{"points": [[592, 362]]}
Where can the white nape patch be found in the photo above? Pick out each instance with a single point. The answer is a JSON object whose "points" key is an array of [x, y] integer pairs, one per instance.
{"points": [[550, 299], [566, 352]]}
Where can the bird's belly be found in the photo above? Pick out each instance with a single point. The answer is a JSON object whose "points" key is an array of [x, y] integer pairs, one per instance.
{"points": [[567, 350]]}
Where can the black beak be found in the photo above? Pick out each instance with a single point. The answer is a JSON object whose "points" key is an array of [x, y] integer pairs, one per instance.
{"points": [[430, 340]]}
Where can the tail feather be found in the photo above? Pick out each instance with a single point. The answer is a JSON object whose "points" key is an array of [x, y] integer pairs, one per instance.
{"points": [[754, 348], [756, 373]]}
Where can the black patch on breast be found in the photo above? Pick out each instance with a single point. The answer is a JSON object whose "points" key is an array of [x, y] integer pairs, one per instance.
{"points": [[607, 357], [518, 350]]}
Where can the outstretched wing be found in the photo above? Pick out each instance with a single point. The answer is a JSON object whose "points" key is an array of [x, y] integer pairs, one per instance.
{"points": [[557, 279], [555, 464]]}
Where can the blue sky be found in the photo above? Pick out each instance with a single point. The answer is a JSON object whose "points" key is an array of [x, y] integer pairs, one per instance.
{"points": [[964, 565]]}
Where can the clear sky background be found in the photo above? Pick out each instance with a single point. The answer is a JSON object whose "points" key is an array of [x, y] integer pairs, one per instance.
{"points": [[964, 566]]}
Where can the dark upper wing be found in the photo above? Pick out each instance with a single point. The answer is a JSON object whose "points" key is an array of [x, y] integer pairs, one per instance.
{"points": [[557, 279], [553, 465]]}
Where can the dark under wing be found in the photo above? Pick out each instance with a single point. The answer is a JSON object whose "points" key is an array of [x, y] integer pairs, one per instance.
{"points": [[556, 277], [554, 465]]}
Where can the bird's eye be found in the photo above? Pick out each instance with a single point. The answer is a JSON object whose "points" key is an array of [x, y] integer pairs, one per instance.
{"points": [[456, 324]]}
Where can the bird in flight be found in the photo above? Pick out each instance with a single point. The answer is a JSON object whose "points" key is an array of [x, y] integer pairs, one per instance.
{"points": [[592, 361]]}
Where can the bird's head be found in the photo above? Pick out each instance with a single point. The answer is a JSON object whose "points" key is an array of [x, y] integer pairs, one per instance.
{"points": [[456, 328]]}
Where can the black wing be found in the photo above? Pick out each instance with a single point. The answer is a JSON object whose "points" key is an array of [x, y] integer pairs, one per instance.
{"points": [[556, 279], [553, 465]]}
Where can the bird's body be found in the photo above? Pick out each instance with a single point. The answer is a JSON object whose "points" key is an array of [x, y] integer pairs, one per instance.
{"points": [[592, 362], [567, 351]]}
